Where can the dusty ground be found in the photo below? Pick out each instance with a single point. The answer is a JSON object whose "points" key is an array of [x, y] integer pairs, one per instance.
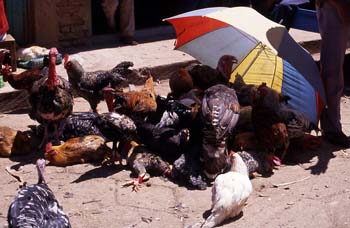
{"points": [[314, 193]]}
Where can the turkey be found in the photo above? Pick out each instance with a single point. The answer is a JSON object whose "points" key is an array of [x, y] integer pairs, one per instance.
{"points": [[51, 99], [230, 192], [220, 112], [37, 206]]}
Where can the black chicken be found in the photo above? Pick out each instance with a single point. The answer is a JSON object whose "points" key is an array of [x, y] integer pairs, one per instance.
{"points": [[220, 112], [89, 85], [166, 142], [181, 113], [37, 206], [51, 99]]}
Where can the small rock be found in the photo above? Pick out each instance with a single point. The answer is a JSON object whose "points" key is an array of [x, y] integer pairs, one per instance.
{"points": [[146, 220]]}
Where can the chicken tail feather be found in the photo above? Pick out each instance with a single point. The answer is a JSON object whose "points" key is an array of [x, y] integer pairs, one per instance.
{"points": [[216, 217]]}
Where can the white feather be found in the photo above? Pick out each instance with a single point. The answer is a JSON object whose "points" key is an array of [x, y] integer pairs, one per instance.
{"points": [[229, 193]]}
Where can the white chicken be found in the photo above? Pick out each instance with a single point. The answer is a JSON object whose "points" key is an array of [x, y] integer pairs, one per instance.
{"points": [[230, 192]]}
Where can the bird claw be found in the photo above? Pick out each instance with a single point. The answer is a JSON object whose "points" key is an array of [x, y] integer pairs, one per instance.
{"points": [[136, 186]]}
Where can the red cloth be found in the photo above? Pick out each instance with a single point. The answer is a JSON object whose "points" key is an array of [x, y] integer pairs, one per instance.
{"points": [[4, 26]]}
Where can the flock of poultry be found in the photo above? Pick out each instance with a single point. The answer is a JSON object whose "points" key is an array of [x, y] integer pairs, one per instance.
{"points": [[205, 130]]}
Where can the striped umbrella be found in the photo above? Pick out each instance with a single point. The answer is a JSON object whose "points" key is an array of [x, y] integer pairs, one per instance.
{"points": [[264, 49]]}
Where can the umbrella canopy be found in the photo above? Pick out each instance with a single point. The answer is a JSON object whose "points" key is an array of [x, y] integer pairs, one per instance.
{"points": [[264, 49]]}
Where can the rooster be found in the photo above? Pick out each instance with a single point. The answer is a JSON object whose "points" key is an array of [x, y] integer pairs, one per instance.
{"points": [[89, 85], [220, 112], [230, 192], [51, 99], [78, 150], [37, 206], [136, 104]]}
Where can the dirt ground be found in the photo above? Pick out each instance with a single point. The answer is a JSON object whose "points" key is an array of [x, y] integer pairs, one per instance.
{"points": [[313, 193]]}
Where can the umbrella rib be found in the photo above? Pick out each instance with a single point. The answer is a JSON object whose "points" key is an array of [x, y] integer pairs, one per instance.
{"points": [[262, 48]]}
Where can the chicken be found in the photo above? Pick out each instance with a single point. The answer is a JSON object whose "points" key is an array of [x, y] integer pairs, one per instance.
{"points": [[182, 112], [24, 80], [51, 99], [204, 76], [12, 142], [244, 123], [187, 169], [166, 142], [244, 91], [297, 125], [37, 206], [256, 163], [220, 112], [136, 104], [144, 163], [80, 124], [180, 83], [269, 127], [78, 150], [89, 85], [230, 192]]}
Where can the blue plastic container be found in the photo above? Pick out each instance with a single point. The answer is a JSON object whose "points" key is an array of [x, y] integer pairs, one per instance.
{"points": [[305, 20]]}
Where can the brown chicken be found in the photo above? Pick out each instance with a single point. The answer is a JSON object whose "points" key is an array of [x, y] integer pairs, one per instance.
{"points": [[133, 103], [204, 76], [144, 163], [180, 83], [269, 127], [89, 148], [89, 85], [24, 80], [51, 99], [13, 142]]}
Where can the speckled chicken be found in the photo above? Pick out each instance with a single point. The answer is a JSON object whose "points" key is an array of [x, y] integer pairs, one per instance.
{"points": [[144, 163], [230, 192], [136, 104], [51, 99], [220, 113], [37, 206], [89, 85], [256, 163], [91, 148]]}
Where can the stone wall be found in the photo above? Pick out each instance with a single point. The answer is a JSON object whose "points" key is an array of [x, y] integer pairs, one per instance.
{"points": [[62, 23], [74, 21]]}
